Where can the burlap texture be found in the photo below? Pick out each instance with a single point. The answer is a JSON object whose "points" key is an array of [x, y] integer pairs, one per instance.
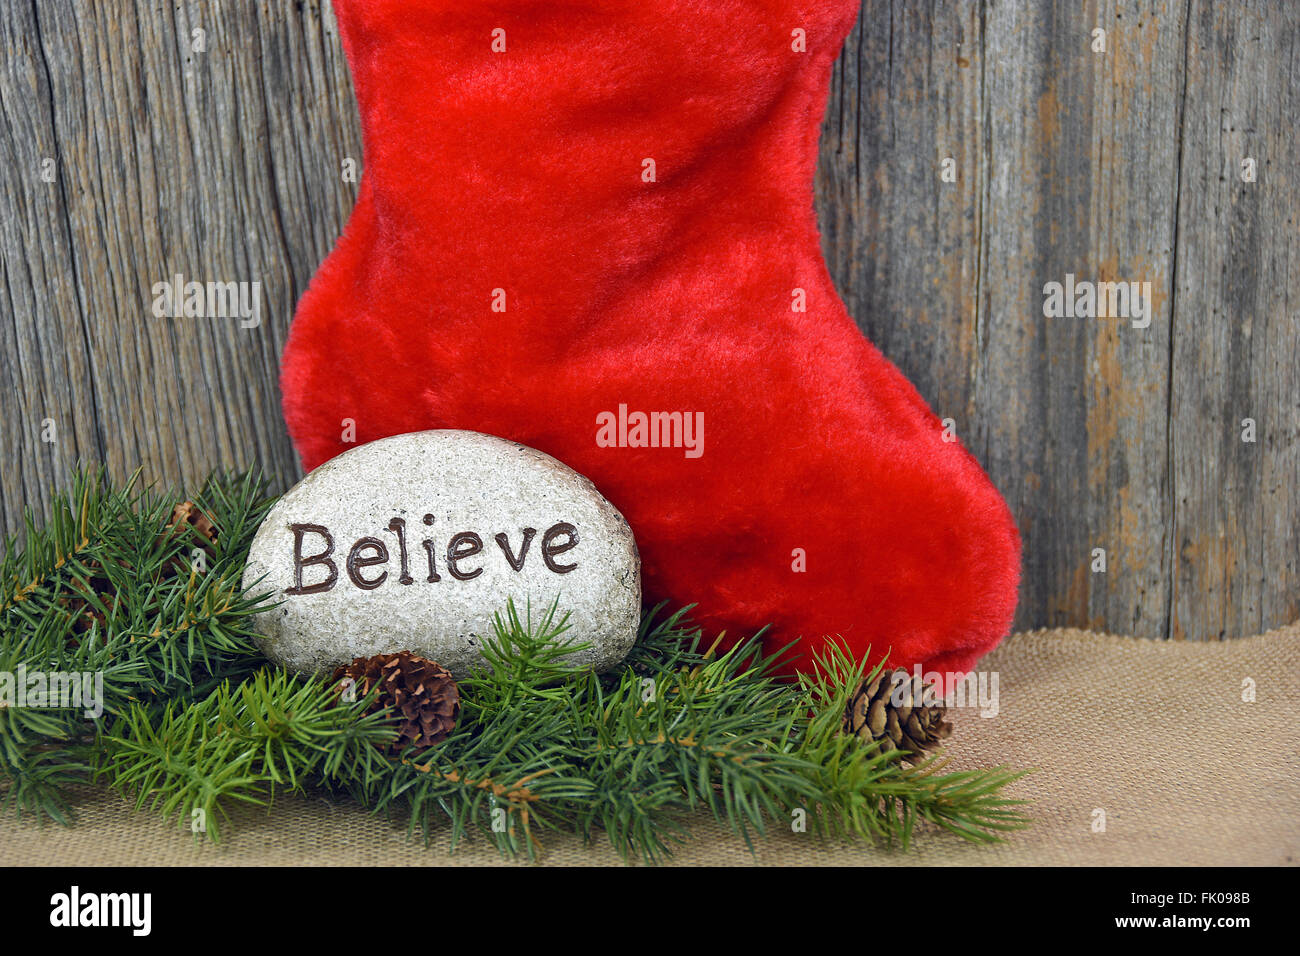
{"points": [[1155, 734]]}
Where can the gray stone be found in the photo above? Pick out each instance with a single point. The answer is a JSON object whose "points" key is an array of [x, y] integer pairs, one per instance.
{"points": [[476, 498]]}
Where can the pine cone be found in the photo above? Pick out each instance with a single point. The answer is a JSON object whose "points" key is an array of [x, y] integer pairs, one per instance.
{"points": [[876, 714], [188, 520], [81, 610], [421, 692]]}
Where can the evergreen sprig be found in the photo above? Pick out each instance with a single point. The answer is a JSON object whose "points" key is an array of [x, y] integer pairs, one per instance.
{"points": [[239, 745], [634, 754], [196, 722], [162, 632]]}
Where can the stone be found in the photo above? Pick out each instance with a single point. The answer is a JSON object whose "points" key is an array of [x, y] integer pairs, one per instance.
{"points": [[414, 542]]}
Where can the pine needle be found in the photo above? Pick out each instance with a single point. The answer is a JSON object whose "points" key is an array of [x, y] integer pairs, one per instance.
{"points": [[195, 722]]}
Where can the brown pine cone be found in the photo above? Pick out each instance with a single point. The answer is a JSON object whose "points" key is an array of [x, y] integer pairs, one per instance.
{"points": [[896, 721], [187, 520], [83, 612], [421, 693]]}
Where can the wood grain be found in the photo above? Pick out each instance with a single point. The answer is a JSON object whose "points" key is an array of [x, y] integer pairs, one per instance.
{"points": [[1236, 352], [220, 165], [225, 164]]}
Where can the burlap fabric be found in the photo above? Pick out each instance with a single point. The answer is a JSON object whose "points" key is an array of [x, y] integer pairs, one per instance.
{"points": [[1154, 734]]}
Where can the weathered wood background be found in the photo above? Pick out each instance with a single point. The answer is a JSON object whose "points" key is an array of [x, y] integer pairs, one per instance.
{"points": [[1122, 164]]}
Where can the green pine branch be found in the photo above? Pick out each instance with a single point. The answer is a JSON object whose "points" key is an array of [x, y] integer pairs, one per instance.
{"points": [[241, 744], [867, 791], [105, 587], [196, 723]]}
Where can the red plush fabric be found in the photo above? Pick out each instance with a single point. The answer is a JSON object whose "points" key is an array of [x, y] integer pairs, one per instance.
{"points": [[524, 171]]}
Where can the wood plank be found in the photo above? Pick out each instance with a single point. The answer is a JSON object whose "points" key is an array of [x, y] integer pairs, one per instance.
{"points": [[1134, 95], [45, 364], [1236, 352]]}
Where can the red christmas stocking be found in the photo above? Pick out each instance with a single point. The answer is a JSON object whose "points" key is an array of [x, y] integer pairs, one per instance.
{"points": [[588, 227]]}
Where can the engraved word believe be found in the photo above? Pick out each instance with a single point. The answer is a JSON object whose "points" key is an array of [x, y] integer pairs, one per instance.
{"points": [[368, 554]]}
